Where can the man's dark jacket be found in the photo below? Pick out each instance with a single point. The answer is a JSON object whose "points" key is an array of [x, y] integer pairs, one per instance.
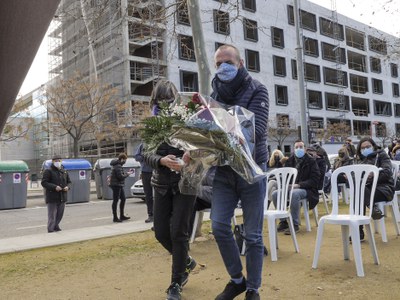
{"points": [[251, 94], [52, 178], [307, 177], [118, 174]]}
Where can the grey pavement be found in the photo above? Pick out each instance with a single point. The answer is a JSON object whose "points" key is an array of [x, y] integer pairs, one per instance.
{"points": [[40, 240]]}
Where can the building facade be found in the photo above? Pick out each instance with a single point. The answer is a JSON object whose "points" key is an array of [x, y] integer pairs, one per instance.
{"points": [[351, 76]]}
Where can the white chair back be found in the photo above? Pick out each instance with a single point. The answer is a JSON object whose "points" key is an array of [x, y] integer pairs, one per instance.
{"points": [[357, 176], [285, 178], [395, 170]]}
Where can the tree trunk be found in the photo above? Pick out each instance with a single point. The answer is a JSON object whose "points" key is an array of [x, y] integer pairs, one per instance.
{"points": [[76, 148], [199, 47]]}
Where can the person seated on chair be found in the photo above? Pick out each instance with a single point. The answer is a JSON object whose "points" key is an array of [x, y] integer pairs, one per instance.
{"points": [[368, 153], [321, 163], [306, 185], [342, 160], [277, 160], [204, 196]]}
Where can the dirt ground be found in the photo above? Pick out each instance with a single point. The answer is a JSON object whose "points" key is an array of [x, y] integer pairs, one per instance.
{"points": [[135, 266]]}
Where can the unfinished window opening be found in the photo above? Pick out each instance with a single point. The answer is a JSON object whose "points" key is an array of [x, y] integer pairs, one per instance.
{"points": [[312, 72], [377, 45], [361, 128], [314, 99], [396, 111], [332, 102], [310, 47], [307, 20], [397, 128], [282, 121], [360, 106], [382, 108], [355, 38], [221, 22], [316, 123], [394, 70], [279, 66], [183, 13], [380, 130], [335, 77], [250, 30], [186, 47], [395, 90], [281, 95], [277, 37], [357, 61], [377, 86], [252, 60], [189, 81], [331, 29], [375, 64], [294, 68], [249, 5], [333, 53], [358, 84]]}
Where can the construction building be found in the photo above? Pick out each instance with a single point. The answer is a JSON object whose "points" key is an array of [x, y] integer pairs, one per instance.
{"points": [[351, 76]]}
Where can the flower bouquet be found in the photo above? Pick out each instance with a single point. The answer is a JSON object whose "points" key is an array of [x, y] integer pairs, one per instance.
{"points": [[211, 134]]}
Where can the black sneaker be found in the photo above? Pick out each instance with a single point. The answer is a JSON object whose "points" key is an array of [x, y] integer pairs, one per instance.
{"points": [[189, 268], [376, 213], [174, 292], [296, 229], [252, 295], [283, 225], [232, 290], [150, 219]]}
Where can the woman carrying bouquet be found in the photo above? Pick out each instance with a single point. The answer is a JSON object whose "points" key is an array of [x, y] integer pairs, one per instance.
{"points": [[172, 210]]}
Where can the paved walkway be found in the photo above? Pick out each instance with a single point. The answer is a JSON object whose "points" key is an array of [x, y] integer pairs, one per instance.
{"points": [[67, 236]]}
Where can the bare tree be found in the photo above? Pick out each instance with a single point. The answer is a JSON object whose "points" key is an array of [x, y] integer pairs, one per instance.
{"points": [[337, 131], [280, 128], [74, 104], [18, 124], [384, 134]]}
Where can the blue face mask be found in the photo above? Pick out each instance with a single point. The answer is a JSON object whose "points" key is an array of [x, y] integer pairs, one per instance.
{"points": [[226, 72], [367, 151], [299, 153]]}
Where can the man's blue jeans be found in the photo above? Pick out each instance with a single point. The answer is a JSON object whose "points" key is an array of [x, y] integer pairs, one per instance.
{"points": [[297, 195], [228, 189]]}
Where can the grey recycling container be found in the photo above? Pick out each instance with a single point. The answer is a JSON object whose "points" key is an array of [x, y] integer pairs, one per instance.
{"points": [[80, 172], [102, 170], [13, 184]]}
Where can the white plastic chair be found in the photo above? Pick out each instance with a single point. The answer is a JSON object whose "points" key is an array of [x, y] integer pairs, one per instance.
{"points": [[285, 178], [324, 199], [304, 205], [357, 177], [394, 207], [196, 221]]}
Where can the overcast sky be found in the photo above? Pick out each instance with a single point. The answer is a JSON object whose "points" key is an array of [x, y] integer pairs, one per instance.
{"points": [[376, 13]]}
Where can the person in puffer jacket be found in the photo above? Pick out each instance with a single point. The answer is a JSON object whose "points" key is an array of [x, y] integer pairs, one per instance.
{"points": [[117, 182], [172, 209], [233, 85]]}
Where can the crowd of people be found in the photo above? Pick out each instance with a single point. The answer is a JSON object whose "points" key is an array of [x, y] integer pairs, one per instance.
{"points": [[172, 212]]}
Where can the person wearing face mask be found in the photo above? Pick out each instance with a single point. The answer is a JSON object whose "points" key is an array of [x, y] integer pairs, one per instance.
{"points": [[306, 185], [117, 182], [277, 160], [56, 182], [233, 85], [369, 153], [342, 160]]}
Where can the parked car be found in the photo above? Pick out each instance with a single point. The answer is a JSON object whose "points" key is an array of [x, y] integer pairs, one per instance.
{"points": [[137, 190]]}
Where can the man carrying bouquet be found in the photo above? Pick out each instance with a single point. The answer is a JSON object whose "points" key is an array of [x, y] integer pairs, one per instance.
{"points": [[232, 85]]}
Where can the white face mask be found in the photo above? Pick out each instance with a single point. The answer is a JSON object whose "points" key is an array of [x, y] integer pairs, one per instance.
{"points": [[57, 164]]}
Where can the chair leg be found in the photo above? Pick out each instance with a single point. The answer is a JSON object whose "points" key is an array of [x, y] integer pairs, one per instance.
{"points": [[293, 235], [272, 238], [306, 215], [355, 240], [196, 220], [315, 211], [345, 240], [371, 242], [318, 243], [395, 215], [381, 223], [325, 199]]}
